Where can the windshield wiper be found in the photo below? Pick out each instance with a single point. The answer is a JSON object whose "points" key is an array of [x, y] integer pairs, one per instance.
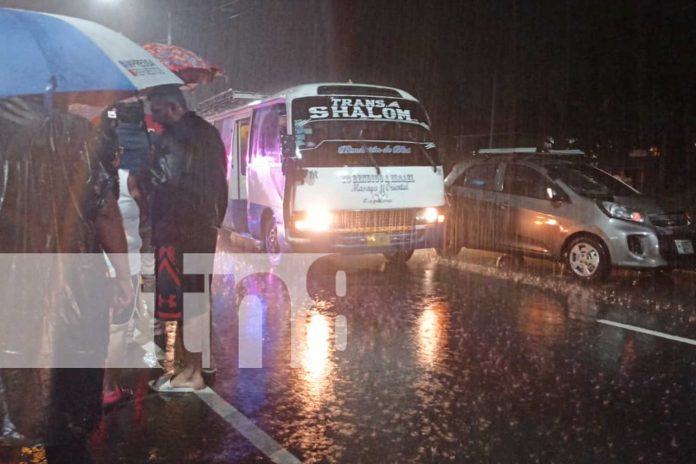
{"points": [[430, 158], [374, 162]]}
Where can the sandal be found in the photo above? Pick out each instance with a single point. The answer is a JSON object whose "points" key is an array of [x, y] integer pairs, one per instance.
{"points": [[164, 385], [113, 397]]}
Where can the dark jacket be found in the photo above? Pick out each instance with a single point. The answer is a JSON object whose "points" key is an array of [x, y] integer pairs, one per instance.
{"points": [[56, 182], [190, 191]]}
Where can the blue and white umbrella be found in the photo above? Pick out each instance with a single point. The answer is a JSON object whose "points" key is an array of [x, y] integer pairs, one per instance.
{"points": [[41, 51]]}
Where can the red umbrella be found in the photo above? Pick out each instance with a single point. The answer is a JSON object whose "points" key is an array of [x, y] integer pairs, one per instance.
{"points": [[191, 68]]}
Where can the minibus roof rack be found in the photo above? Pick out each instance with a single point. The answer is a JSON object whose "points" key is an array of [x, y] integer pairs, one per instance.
{"points": [[528, 151], [227, 100], [360, 90]]}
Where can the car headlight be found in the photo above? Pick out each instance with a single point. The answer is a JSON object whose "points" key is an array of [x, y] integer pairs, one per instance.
{"points": [[315, 220], [619, 211], [431, 216]]}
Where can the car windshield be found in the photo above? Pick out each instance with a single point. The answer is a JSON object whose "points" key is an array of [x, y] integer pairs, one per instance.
{"points": [[588, 181]]}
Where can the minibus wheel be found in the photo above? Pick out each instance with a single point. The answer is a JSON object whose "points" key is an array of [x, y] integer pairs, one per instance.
{"points": [[398, 257], [449, 248], [270, 236], [587, 258]]}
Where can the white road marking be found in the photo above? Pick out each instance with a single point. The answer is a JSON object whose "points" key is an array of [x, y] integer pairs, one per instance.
{"points": [[647, 331], [341, 332], [341, 283], [247, 428]]}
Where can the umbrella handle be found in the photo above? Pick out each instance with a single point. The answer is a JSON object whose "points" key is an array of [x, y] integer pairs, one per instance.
{"points": [[48, 95]]}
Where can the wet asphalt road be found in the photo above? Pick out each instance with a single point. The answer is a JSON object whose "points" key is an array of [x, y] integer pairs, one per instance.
{"points": [[445, 361]]}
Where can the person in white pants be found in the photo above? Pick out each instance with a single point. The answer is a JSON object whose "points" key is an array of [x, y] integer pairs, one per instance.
{"points": [[131, 204]]}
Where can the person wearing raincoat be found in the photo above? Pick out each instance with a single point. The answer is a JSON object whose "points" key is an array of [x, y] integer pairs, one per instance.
{"points": [[57, 201]]}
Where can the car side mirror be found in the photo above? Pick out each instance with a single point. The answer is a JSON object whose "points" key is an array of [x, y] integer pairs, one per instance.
{"points": [[288, 145], [555, 194]]}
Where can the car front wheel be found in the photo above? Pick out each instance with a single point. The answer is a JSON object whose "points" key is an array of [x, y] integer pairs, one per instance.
{"points": [[587, 258]]}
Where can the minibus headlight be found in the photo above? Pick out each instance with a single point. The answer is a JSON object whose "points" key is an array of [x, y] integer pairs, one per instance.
{"points": [[315, 220], [431, 216]]}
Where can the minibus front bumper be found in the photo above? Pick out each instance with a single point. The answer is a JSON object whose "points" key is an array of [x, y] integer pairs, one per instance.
{"points": [[368, 241]]}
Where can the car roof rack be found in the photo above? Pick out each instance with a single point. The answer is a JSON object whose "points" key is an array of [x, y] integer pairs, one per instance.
{"points": [[527, 151], [227, 100]]}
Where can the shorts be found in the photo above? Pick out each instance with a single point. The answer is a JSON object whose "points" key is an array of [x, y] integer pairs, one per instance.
{"points": [[171, 283]]}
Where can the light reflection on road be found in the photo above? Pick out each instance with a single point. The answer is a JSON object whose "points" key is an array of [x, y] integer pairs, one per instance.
{"points": [[430, 335], [541, 317], [316, 362]]}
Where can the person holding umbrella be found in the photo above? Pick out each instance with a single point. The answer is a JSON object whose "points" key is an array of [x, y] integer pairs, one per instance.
{"points": [[58, 201]]}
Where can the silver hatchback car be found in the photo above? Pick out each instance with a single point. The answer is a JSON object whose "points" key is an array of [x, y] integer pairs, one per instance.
{"points": [[553, 205]]}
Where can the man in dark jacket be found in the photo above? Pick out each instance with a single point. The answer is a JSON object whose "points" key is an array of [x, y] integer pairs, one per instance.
{"points": [[188, 205]]}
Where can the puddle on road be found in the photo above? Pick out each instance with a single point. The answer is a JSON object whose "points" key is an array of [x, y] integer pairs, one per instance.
{"points": [[660, 302], [444, 366]]}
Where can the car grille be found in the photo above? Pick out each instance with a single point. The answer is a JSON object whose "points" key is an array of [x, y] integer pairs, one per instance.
{"points": [[384, 220], [668, 219], [668, 250]]}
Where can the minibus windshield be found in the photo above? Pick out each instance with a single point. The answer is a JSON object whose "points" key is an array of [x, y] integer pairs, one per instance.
{"points": [[357, 131]]}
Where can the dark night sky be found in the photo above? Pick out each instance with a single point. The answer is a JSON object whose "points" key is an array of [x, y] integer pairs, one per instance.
{"points": [[615, 72]]}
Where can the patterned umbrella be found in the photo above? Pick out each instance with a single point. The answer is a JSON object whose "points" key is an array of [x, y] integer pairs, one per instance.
{"points": [[191, 68]]}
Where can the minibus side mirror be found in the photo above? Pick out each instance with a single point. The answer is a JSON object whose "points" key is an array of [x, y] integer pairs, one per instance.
{"points": [[441, 156], [288, 145], [293, 167]]}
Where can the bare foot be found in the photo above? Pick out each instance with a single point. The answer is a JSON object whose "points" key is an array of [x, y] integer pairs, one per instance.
{"points": [[194, 381]]}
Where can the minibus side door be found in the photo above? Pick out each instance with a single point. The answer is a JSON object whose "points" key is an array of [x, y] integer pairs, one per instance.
{"points": [[238, 186]]}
